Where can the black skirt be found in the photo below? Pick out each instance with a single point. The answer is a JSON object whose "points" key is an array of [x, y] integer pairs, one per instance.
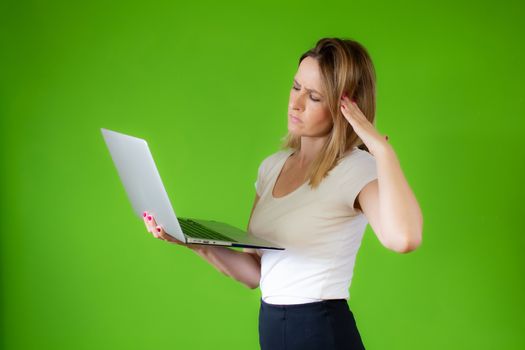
{"points": [[326, 324]]}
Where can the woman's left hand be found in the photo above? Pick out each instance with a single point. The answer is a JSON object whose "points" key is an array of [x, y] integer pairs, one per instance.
{"points": [[363, 128]]}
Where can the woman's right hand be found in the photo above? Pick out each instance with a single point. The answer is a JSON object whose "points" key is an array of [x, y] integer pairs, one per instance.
{"points": [[158, 231]]}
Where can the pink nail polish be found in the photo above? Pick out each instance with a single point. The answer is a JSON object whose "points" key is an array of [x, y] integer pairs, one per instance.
{"points": [[149, 217], [158, 229], [144, 214]]}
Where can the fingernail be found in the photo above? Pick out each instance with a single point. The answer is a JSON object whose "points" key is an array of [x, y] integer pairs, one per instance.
{"points": [[158, 229], [144, 214], [149, 217]]}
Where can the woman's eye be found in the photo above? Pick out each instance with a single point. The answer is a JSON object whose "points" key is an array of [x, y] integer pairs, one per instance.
{"points": [[313, 99]]}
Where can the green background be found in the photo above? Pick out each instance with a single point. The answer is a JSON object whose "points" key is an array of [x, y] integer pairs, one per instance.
{"points": [[207, 85]]}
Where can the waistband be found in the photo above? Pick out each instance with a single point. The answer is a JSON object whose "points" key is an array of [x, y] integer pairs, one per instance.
{"points": [[303, 306]]}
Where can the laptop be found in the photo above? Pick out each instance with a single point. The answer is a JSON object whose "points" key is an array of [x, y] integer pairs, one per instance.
{"points": [[138, 172]]}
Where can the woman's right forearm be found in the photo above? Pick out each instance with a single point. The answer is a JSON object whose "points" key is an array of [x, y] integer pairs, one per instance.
{"points": [[241, 266]]}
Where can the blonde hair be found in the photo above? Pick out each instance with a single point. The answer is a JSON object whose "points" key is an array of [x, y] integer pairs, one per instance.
{"points": [[345, 67]]}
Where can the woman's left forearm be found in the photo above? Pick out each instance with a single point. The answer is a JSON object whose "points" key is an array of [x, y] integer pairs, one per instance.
{"points": [[401, 216]]}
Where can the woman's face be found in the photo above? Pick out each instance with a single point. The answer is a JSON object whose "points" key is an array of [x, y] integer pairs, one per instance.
{"points": [[307, 102]]}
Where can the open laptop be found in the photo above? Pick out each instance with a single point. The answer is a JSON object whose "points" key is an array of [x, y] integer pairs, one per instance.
{"points": [[138, 172]]}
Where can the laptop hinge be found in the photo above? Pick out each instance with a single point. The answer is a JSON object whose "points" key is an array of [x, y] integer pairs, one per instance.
{"points": [[207, 241]]}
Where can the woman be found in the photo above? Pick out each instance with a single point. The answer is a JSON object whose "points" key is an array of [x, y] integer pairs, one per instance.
{"points": [[334, 174]]}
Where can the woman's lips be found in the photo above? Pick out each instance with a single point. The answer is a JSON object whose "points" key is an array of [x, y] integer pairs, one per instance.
{"points": [[295, 119]]}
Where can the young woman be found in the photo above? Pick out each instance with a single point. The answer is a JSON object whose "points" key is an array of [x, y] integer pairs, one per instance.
{"points": [[334, 174]]}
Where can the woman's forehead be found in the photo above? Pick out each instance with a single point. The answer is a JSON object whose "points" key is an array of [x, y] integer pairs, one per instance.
{"points": [[308, 75]]}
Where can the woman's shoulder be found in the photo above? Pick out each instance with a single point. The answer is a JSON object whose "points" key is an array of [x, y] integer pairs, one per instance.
{"points": [[267, 166], [353, 160], [356, 153], [275, 157]]}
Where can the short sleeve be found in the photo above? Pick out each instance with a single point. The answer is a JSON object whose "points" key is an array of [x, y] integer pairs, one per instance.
{"points": [[362, 169], [259, 182], [265, 168]]}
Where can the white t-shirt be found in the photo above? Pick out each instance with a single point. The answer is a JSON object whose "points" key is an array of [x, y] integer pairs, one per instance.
{"points": [[319, 228]]}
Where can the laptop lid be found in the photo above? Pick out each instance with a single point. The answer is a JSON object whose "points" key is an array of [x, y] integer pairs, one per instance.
{"points": [[138, 172]]}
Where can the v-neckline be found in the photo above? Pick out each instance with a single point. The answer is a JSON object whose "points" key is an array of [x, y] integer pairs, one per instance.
{"points": [[289, 153]]}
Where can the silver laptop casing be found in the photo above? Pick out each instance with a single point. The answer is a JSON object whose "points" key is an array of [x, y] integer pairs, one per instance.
{"points": [[139, 174]]}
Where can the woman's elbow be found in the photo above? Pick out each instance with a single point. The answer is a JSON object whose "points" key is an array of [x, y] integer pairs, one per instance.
{"points": [[405, 244], [409, 247], [253, 286]]}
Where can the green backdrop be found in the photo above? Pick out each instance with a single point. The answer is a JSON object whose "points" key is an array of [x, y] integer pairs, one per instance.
{"points": [[207, 85]]}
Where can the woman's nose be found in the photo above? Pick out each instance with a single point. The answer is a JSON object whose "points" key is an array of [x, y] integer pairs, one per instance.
{"points": [[296, 102]]}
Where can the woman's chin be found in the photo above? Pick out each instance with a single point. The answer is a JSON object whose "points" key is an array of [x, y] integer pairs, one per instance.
{"points": [[294, 130]]}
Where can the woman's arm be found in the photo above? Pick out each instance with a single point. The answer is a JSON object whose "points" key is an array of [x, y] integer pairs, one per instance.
{"points": [[391, 206], [244, 266], [239, 265]]}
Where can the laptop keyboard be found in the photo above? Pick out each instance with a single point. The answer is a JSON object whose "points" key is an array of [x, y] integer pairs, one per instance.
{"points": [[196, 230]]}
